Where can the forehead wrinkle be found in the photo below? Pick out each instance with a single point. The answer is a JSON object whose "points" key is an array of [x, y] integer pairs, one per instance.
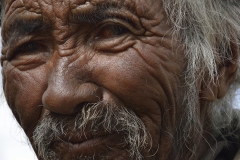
{"points": [[8, 4], [103, 4], [53, 10], [56, 13], [140, 9], [12, 7], [32, 6], [96, 14], [20, 20], [96, 11], [62, 12]]}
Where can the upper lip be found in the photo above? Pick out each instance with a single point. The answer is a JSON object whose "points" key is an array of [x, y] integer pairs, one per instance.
{"points": [[74, 137]]}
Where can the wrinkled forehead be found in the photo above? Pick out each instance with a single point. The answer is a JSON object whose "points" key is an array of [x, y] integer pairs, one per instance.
{"points": [[62, 12], [41, 6], [62, 8]]}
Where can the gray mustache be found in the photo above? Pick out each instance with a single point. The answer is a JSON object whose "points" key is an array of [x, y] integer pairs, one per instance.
{"points": [[93, 120]]}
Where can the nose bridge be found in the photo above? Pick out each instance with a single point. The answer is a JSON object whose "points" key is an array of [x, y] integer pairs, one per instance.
{"points": [[60, 78], [67, 90], [66, 79]]}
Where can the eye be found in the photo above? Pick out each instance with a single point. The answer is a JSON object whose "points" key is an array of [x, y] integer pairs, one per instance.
{"points": [[110, 31], [29, 47]]}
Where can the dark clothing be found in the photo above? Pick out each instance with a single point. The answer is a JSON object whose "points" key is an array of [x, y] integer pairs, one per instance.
{"points": [[224, 151], [227, 147]]}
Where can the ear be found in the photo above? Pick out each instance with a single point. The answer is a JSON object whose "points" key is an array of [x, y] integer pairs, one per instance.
{"points": [[227, 73]]}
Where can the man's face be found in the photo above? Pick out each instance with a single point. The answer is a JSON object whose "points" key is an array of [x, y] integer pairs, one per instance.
{"points": [[100, 79]]}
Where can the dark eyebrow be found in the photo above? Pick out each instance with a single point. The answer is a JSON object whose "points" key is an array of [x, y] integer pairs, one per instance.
{"points": [[90, 17], [21, 27], [101, 12]]}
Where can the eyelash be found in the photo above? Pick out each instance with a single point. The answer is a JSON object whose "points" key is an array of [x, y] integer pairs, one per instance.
{"points": [[111, 30], [27, 48]]}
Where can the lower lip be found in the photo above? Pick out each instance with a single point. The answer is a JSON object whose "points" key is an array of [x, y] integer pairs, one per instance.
{"points": [[87, 147]]}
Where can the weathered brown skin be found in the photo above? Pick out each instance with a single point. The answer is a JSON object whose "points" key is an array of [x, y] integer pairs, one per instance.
{"points": [[76, 62]]}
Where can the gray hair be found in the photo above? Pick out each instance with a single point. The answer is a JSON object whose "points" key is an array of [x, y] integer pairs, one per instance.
{"points": [[207, 29], [98, 116]]}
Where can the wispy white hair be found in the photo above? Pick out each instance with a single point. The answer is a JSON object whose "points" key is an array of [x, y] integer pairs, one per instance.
{"points": [[208, 29]]}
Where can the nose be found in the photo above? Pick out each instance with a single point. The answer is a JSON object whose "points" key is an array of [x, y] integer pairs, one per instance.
{"points": [[66, 94]]}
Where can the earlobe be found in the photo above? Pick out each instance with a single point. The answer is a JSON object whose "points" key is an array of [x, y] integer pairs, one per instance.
{"points": [[227, 73]]}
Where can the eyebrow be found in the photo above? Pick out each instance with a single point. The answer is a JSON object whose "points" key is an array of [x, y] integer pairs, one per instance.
{"points": [[101, 12], [21, 27]]}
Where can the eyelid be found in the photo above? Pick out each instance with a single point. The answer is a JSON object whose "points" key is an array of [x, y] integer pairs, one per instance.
{"points": [[124, 23], [108, 24], [12, 47], [118, 22], [115, 45], [26, 45], [130, 18]]}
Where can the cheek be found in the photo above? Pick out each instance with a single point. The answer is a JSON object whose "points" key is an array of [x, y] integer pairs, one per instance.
{"points": [[126, 76], [23, 91], [145, 80]]}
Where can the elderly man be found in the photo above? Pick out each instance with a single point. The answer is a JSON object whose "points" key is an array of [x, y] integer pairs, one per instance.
{"points": [[124, 79]]}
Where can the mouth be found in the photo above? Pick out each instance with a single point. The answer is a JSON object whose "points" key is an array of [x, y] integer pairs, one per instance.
{"points": [[97, 132], [79, 146]]}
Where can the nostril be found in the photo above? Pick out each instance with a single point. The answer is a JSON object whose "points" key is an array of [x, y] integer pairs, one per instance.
{"points": [[80, 106]]}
